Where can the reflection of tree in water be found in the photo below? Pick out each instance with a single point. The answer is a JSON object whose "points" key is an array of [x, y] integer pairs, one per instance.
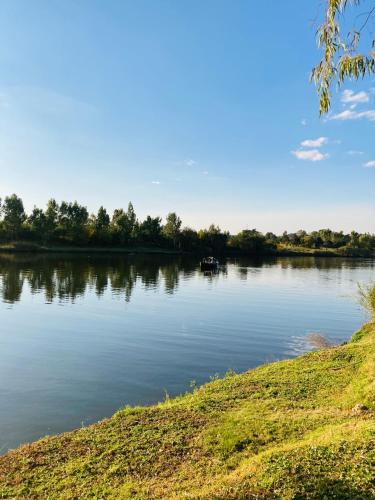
{"points": [[123, 278], [72, 280], [11, 284], [67, 277], [170, 275]]}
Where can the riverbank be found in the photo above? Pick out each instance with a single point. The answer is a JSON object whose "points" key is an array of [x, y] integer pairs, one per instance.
{"points": [[296, 251], [297, 428], [25, 247], [279, 251]]}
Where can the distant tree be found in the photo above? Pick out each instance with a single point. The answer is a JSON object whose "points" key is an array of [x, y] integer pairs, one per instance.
{"points": [[150, 231], [102, 220], [72, 219], [132, 218], [98, 227], [123, 224], [213, 239], [172, 228], [271, 237], [52, 217], [249, 241], [365, 241], [189, 239], [343, 55], [13, 215], [37, 222], [354, 239]]}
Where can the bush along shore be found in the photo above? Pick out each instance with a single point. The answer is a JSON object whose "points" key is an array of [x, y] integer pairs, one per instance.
{"points": [[302, 428], [68, 226]]}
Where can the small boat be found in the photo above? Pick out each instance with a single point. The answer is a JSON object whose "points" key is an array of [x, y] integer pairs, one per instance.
{"points": [[209, 264]]}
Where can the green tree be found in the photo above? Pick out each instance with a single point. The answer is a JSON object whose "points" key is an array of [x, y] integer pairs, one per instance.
{"points": [[149, 231], [98, 226], [102, 220], [189, 239], [37, 222], [13, 215], [72, 219], [249, 241], [124, 224], [132, 218], [52, 217], [344, 57], [172, 228], [213, 239]]}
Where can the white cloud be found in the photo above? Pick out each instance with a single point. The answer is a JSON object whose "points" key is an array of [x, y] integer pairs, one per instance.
{"points": [[354, 115], [314, 143], [304, 122], [354, 152], [350, 97], [190, 162], [155, 182], [369, 164], [310, 155]]}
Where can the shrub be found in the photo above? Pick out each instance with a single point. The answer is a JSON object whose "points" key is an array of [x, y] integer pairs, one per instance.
{"points": [[367, 298]]}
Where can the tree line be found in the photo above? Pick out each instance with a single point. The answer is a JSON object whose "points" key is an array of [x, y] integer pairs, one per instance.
{"points": [[70, 223]]}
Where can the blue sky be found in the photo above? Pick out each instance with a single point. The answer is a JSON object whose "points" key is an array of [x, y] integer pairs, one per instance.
{"points": [[196, 107]]}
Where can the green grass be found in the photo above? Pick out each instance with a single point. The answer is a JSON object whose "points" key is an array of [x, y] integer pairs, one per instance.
{"points": [[294, 250], [303, 428]]}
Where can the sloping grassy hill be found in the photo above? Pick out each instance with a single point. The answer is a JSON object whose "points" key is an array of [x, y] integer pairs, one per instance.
{"points": [[303, 428]]}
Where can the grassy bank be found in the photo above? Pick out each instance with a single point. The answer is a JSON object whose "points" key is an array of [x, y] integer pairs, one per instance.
{"points": [[290, 251], [303, 428]]}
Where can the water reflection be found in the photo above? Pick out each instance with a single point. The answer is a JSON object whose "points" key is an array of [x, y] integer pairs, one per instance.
{"points": [[67, 277]]}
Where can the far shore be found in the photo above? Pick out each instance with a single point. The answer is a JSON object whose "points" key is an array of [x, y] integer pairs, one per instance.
{"points": [[281, 251]]}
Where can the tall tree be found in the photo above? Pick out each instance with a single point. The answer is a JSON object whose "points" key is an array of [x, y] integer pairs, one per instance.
{"points": [[172, 228], [72, 220], [102, 220], [37, 223], [149, 231], [343, 56], [13, 215]]}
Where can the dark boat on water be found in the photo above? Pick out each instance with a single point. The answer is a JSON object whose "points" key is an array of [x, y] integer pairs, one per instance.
{"points": [[209, 264]]}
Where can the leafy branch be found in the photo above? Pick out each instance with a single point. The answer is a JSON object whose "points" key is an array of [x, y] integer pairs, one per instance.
{"points": [[340, 60]]}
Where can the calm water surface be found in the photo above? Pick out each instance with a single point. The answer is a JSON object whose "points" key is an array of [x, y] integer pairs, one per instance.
{"points": [[82, 336]]}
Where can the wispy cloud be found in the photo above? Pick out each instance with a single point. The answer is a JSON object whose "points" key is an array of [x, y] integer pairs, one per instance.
{"points": [[190, 163], [310, 155], [304, 122], [354, 152], [314, 143], [156, 183], [369, 164], [354, 115], [350, 97]]}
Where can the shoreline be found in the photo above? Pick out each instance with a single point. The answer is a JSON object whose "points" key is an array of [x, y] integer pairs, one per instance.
{"points": [[283, 429], [23, 247]]}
